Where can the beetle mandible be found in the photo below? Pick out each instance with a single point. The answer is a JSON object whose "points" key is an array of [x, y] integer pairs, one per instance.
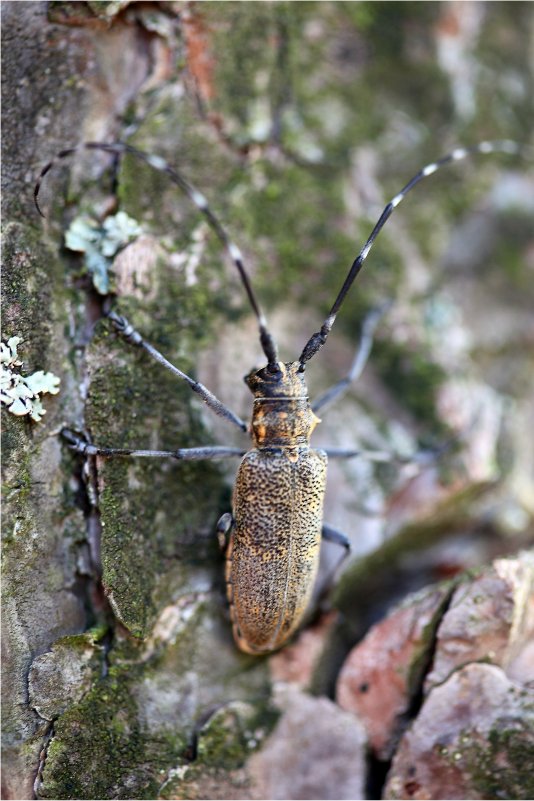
{"points": [[274, 532]]}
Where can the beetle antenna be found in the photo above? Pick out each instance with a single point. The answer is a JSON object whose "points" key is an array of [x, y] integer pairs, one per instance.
{"points": [[199, 200], [316, 342]]}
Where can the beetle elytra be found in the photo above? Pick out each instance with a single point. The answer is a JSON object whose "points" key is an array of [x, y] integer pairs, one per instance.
{"points": [[276, 525]]}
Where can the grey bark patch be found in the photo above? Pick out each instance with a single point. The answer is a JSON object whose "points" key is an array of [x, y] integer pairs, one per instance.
{"points": [[62, 676], [315, 751]]}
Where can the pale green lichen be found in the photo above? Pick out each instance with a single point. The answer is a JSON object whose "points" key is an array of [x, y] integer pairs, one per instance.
{"points": [[108, 10], [21, 393], [100, 242]]}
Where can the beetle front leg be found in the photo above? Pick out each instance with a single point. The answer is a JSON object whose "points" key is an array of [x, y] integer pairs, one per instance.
{"points": [[128, 332]]}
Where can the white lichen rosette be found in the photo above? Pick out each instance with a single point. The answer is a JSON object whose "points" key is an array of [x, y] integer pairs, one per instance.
{"points": [[21, 393]]}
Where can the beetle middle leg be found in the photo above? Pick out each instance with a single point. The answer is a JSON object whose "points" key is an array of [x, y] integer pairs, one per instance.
{"points": [[210, 452], [423, 458], [78, 444]]}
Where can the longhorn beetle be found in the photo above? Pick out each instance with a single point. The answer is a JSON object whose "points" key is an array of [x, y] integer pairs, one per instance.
{"points": [[275, 528]]}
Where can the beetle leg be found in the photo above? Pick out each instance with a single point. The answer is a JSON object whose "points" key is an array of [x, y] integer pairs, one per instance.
{"points": [[223, 529], [132, 336], [423, 458], [360, 360], [371, 456], [80, 445], [333, 535]]}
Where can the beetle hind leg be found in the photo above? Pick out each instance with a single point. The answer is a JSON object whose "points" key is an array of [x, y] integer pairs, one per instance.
{"points": [[223, 530], [330, 534], [333, 535]]}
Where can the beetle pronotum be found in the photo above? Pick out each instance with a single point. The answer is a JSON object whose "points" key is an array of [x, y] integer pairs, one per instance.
{"points": [[275, 528]]}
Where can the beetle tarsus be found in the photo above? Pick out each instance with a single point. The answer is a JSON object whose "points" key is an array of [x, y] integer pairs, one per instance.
{"points": [[125, 328]]}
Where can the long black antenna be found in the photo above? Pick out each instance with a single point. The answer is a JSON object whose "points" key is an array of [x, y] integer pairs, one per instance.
{"points": [[318, 339], [267, 342]]}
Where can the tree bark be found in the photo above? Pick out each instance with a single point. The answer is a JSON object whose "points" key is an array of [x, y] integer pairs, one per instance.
{"points": [[297, 121]]}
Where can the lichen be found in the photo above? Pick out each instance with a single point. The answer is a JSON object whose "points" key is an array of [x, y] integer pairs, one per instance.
{"points": [[99, 242], [19, 393]]}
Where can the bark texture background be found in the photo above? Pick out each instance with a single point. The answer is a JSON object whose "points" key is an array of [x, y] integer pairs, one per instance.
{"points": [[298, 121]]}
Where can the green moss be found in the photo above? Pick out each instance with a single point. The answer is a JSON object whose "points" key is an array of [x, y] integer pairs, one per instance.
{"points": [[152, 404], [223, 745], [501, 766], [289, 216], [101, 748], [420, 660], [153, 712], [291, 224], [232, 733], [79, 642], [28, 310], [18, 492], [99, 742], [151, 196], [250, 57], [134, 403], [27, 293], [501, 47], [512, 234]]}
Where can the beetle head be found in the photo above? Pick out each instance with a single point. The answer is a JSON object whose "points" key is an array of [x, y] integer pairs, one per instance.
{"points": [[285, 382]]}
